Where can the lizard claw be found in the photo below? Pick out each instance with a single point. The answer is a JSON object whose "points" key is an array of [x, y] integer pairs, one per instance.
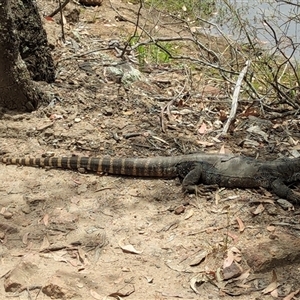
{"points": [[190, 189], [201, 191], [293, 197]]}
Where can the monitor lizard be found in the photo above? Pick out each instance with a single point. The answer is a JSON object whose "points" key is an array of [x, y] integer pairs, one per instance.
{"points": [[224, 170]]}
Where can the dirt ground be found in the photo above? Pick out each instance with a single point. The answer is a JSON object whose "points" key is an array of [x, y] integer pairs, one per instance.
{"points": [[72, 235]]}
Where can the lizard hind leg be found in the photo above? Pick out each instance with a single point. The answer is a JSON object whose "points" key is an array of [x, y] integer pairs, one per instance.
{"points": [[283, 191], [191, 172]]}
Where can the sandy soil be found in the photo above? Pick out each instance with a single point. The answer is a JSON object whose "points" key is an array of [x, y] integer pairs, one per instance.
{"points": [[72, 235]]}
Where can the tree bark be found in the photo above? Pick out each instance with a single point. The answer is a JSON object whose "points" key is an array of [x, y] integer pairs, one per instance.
{"points": [[22, 36]]}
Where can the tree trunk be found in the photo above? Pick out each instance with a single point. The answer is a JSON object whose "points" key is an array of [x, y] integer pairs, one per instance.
{"points": [[22, 36]]}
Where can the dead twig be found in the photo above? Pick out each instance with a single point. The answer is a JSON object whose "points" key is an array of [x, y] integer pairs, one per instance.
{"points": [[235, 97], [167, 107], [59, 9], [28, 289], [62, 23]]}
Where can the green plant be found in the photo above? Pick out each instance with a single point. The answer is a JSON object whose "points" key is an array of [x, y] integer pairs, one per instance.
{"points": [[153, 52], [190, 8]]}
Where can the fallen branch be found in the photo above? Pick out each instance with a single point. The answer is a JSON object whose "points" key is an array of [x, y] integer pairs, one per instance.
{"points": [[60, 7], [235, 97]]}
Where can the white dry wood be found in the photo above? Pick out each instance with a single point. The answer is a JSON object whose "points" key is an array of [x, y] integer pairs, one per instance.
{"points": [[235, 97]]}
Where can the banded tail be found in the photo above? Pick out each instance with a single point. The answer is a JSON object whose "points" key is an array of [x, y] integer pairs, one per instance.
{"points": [[159, 166], [141, 167]]}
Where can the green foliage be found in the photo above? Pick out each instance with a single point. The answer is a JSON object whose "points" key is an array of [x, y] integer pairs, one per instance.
{"points": [[189, 8], [153, 53], [272, 75]]}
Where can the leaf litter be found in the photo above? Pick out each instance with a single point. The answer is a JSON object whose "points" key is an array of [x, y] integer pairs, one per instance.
{"points": [[88, 119]]}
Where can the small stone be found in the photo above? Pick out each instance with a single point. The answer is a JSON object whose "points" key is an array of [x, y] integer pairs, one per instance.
{"points": [[34, 200], [77, 120], [48, 154], [179, 210], [282, 250], [26, 209], [58, 289], [286, 205], [233, 271], [7, 215], [21, 276], [81, 189], [107, 111], [81, 142], [48, 132]]}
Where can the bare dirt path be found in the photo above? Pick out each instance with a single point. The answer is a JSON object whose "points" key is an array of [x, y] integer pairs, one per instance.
{"points": [[71, 235]]}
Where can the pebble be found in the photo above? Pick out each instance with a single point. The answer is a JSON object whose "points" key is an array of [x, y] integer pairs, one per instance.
{"points": [[107, 111], [285, 204], [7, 215]]}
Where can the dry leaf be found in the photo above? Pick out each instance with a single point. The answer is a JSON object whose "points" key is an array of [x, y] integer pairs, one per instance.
{"points": [[272, 286], [46, 220], [216, 139], [228, 260], [64, 20], [274, 293], [82, 256], [127, 290], [202, 128], [219, 275], [198, 280], [189, 214], [259, 209], [263, 200], [241, 224], [128, 248], [257, 130], [244, 275], [233, 236], [271, 228], [198, 258], [222, 150], [217, 197], [235, 250], [241, 285], [48, 18], [236, 254], [291, 295], [205, 143], [149, 279], [95, 295], [25, 238], [59, 256], [250, 111], [45, 243]]}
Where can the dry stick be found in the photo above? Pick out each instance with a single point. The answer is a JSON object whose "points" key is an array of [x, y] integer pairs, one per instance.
{"points": [[127, 44], [59, 8], [235, 97], [62, 23], [167, 108]]}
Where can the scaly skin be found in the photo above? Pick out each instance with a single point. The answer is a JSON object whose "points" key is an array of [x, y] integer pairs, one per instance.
{"points": [[223, 170], [160, 166]]}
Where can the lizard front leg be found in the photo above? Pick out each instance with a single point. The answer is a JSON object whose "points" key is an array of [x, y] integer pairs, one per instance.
{"points": [[283, 191], [295, 177], [191, 172]]}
